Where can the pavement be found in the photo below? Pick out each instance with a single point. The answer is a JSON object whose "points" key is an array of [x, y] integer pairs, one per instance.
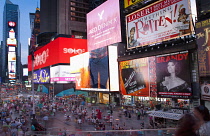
{"points": [[57, 122]]}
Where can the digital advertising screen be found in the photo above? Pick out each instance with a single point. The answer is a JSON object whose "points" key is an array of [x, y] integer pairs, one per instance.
{"points": [[25, 71], [11, 48], [11, 56], [203, 42], [63, 48], [80, 70], [94, 74], [61, 74], [166, 76], [113, 69], [42, 76], [103, 25], [160, 21]]}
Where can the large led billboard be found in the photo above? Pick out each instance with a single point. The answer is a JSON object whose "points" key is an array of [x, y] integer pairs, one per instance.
{"points": [[205, 90], [103, 25], [166, 76], [57, 51], [42, 76], [160, 21], [203, 42], [97, 70], [61, 74]]}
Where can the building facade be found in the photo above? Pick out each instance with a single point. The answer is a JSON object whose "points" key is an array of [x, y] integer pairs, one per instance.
{"points": [[11, 47]]}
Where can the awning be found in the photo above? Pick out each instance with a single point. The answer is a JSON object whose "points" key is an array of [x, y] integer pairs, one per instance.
{"points": [[165, 115]]}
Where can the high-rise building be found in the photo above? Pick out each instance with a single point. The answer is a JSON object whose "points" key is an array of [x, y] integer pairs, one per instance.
{"points": [[64, 16], [11, 47]]}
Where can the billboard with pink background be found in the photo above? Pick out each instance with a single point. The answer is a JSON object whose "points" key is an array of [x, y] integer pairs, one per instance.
{"points": [[103, 25]]}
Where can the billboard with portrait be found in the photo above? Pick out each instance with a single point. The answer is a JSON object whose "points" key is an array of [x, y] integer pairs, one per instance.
{"points": [[103, 25], [173, 75], [63, 48], [42, 76], [203, 42], [61, 74], [165, 76], [160, 21]]}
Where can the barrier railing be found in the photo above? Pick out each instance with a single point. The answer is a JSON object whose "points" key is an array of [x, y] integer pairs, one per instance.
{"points": [[140, 132]]}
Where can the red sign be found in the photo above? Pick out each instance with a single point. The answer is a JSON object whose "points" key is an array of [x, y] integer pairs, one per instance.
{"points": [[58, 51], [11, 24]]}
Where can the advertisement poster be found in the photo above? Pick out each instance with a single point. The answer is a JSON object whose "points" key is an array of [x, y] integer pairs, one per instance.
{"points": [[134, 77], [173, 75], [63, 48], [61, 74], [165, 76], [128, 3], [98, 67], [81, 70], [203, 42], [205, 90], [42, 76], [160, 21], [103, 25]]}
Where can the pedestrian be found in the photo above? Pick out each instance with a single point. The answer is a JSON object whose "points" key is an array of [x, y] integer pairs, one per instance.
{"points": [[203, 123]]}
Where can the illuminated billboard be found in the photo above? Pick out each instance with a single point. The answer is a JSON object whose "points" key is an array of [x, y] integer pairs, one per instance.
{"points": [[203, 42], [97, 70], [25, 71], [103, 25], [62, 48], [11, 56], [61, 74], [128, 3], [166, 76], [205, 90], [11, 48], [42, 76], [160, 21], [12, 66]]}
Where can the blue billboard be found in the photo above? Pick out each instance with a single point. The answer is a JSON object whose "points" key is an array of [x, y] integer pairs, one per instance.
{"points": [[42, 76]]}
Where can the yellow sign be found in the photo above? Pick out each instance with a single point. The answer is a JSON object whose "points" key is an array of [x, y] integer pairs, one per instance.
{"points": [[128, 3]]}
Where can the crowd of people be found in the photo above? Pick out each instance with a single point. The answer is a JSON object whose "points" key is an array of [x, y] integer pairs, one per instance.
{"points": [[16, 115]]}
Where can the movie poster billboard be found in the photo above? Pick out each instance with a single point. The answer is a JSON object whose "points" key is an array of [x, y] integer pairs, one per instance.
{"points": [[205, 90], [160, 21], [134, 77], [104, 25], [42, 76], [173, 75], [203, 42]]}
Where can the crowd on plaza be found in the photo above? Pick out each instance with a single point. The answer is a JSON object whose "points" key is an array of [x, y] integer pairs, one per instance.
{"points": [[16, 115]]}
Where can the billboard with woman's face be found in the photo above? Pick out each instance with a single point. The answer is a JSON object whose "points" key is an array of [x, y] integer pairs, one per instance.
{"points": [[166, 76], [173, 76]]}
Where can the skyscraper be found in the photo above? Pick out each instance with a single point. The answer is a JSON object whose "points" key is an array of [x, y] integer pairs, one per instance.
{"points": [[11, 47]]}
